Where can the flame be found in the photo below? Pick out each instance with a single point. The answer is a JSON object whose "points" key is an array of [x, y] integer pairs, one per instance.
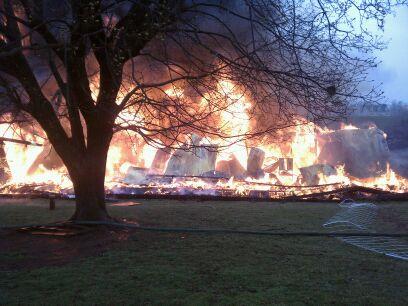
{"points": [[348, 127], [233, 121], [174, 92], [304, 146]]}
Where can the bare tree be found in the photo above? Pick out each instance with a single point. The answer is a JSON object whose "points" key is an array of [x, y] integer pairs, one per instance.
{"points": [[83, 70]]}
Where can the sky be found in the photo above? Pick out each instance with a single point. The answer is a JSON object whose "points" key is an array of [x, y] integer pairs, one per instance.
{"points": [[393, 71]]}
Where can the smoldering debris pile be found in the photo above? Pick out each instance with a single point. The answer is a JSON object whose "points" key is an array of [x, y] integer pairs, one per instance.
{"points": [[361, 155], [348, 162]]}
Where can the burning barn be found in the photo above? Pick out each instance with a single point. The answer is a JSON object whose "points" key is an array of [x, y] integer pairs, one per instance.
{"points": [[210, 98], [306, 159]]}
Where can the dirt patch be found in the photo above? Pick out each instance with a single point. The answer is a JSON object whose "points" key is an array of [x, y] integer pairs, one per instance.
{"points": [[29, 250]]}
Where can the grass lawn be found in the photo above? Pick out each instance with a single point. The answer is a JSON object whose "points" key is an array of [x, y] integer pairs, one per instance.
{"points": [[200, 269]]}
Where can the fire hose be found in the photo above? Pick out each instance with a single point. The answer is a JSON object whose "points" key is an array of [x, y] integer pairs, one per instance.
{"points": [[231, 231], [207, 230], [344, 203]]}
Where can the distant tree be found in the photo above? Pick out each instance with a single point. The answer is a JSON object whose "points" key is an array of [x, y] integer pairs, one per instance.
{"points": [[84, 69], [398, 107]]}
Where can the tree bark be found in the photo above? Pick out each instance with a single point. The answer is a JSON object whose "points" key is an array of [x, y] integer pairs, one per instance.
{"points": [[88, 176], [89, 196]]}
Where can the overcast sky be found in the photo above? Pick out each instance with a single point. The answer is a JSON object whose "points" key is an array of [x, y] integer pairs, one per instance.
{"points": [[393, 71]]}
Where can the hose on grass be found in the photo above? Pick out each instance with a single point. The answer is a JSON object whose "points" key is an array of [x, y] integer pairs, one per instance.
{"points": [[232, 231], [208, 230]]}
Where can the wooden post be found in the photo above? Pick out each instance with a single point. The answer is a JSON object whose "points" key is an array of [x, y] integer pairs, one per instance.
{"points": [[52, 202]]}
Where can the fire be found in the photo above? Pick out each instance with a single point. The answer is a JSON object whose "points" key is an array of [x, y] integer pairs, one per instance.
{"points": [[304, 145], [21, 157], [348, 127], [279, 163], [235, 121], [235, 117], [386, 181]]}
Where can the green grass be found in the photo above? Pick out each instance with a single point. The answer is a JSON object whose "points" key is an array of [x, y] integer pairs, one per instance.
{"points": [[199, 269]]}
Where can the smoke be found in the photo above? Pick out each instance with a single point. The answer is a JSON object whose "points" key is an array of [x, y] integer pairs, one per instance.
{"points": [[393, 68], [278, 64]]}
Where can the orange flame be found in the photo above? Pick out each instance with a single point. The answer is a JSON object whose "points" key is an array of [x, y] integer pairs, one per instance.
{"points": [[234, 122]]}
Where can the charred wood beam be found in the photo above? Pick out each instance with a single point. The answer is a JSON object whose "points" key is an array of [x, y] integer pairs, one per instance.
{"points": [[379, 194], [201, 198], [224, 194], [316, 197]]}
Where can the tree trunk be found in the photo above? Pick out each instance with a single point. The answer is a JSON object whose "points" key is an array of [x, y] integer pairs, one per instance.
{"points": [[88, 178], [89, 196]]}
